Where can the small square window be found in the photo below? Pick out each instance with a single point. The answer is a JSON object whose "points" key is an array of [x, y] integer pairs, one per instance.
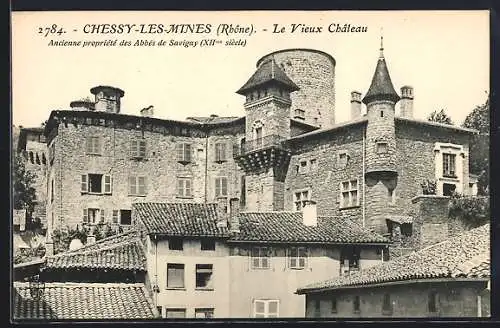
{"points": [[382, 148], [175, 244], [207, 245], [175, 275], [176, 313], [204, 313], [204, 274]]}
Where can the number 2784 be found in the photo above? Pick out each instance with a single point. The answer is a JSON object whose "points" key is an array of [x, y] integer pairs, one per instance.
{"points": [[54, 29]]}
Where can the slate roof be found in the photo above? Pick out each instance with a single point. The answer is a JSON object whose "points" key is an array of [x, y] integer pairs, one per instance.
{"points": [[288, 227], [443, 260], [84, 301], [181, 219], [120, 252], [381, 87], [268, 71]]}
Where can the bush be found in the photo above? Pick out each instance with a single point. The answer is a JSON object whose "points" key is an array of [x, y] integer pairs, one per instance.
{"points": [[472, 210], [31, 254], [429, 187], [62, 238]]}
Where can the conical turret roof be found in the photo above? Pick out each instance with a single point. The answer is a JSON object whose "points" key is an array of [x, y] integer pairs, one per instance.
{"points": [[381, 87], [268, 71]]}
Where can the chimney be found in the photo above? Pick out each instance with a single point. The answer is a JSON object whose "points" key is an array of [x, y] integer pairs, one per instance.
{"points": [[148, 111], [234, 211], [309, 214], [90, 239], [49, 244], [107, 98], [222, 210], [406, 102], [355, 105]]}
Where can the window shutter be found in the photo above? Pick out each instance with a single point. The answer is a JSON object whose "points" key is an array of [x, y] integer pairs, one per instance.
{"points": [[142, 185], [217, 187], [132, 186], [224, 186], [115, 216], [84, 185], [142, 148], [180, 152], [107, 184], [98, 145], [133, 148], [188, 187], [187, 152], [88, 145], [85, 215], [102, 215], [180, 187]]}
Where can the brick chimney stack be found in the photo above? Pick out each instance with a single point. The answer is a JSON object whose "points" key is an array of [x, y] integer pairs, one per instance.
{"points": [[309, 214], [355, 105], [234, 211], [406, 102]]}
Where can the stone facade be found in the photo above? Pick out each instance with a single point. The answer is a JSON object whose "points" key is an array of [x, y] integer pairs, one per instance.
{"points": [[405, 300]]}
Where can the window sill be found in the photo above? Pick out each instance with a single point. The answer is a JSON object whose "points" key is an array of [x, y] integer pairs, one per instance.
{"points": [[184, 197], [297, 269], [387, 313], [92, 154], [221, 161], [130, 195], [203, 289], [349, 207], [184, 162], [176, 288], [139, 158], [260, 269]]}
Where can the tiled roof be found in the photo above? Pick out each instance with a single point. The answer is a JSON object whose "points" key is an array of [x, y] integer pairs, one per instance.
{"points": [[213, 119], [181, 219], [401, 219], [381, 87], [435, 124], [289, 227], [120, 252], [442, 260], [268, 71], [84, 301]]}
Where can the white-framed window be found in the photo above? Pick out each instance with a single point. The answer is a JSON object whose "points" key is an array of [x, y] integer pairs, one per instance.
{"points": [[96, 183], [260, 257], [220, 152], [123, 217], [93, 145], [266, 308], [297, 257], [204, 313], [137, 186], [184, 187], [221, 187], [204, 276], [175, 313], [301, 197], [175, 275], [183, 152], [449, 165], [349, 193], [138, 148], [93, 215]]}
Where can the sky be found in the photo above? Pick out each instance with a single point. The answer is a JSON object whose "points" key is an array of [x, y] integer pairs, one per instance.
{"points": [[444, 55]]}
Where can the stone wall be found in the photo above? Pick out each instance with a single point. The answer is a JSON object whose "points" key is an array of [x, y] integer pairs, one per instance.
{"points": [[160, 167], [314, 73], [455, 299]]}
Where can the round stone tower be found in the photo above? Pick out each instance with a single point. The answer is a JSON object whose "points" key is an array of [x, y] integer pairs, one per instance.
{"points": [[314, 73]]}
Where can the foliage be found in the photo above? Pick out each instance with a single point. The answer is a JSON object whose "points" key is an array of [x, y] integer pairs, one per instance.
{"points": [[62, 238], [472, 210], [479, 119], [429, 187], [440, 117], [30, 254], [23, 180]]}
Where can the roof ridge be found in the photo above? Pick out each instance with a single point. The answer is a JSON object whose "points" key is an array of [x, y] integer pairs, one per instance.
{"points": [[97, 250], [74, 284]]}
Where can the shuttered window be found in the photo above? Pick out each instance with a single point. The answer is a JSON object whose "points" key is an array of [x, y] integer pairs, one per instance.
{"points": [[183, 152], [175, 275], [266, 309], [138, 148], [184, 187], [220, 152], [96, 183], [93, 145], [137, 186], [220, 187], [260, 258]]}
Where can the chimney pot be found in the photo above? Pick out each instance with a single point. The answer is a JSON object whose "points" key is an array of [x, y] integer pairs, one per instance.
{"points": [[309, 214], [90, 239], [355, 105], [148, 111]]}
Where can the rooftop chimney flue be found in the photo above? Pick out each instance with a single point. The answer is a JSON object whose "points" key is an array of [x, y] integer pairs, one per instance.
{"points": [[355, 105], [309, 214], [148, 111], [107, 98], [406, 102]]}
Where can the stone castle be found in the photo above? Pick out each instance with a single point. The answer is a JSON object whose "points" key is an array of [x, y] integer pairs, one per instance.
{"points": [[286, 151]]}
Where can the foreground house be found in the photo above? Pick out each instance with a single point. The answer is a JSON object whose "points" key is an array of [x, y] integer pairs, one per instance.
{"points": [[203, 261], [448, 279]]}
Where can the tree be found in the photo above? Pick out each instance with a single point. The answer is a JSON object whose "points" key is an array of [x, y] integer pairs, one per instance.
{"points": [[440, 117], [23, 180], [479, 150]]}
